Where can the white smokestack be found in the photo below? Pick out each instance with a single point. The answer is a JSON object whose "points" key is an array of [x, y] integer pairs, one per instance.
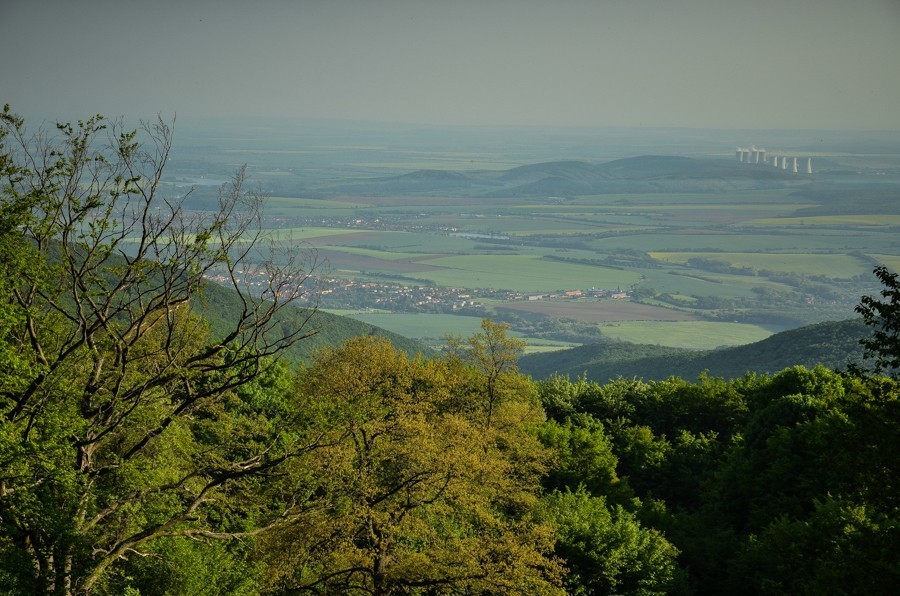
{"points": [[784, 162], [809, 165], [795, 165], [775, 161]]}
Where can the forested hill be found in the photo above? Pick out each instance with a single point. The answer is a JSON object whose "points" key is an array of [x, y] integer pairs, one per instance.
{"points": [[643, 174], [220, 306], [832, 344]]}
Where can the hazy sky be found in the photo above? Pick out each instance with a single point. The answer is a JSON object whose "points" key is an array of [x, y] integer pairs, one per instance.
{"points": [[693, 63]]}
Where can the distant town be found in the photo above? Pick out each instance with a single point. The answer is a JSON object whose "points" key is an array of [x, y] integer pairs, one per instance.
{"points": [[345, 293]]}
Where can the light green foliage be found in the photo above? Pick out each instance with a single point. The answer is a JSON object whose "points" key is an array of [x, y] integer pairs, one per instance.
{"points": [[419, 494], [119, 422], [493, 355], [176, 566]]}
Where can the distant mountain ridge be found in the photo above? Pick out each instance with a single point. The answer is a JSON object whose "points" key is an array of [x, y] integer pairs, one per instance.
{"points": [[832, 344], [643, 174]]}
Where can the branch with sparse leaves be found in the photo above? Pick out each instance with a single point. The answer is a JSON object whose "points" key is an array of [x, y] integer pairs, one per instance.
{"points": [[109, 366]]}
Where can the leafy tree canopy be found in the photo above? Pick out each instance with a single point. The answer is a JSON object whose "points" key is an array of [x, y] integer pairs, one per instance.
{"points": [[883, 316]]}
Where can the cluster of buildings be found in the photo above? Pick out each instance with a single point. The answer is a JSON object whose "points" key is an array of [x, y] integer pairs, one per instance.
{"points": [[340, 293], [574, 294], [753, 155], [351, 293]]}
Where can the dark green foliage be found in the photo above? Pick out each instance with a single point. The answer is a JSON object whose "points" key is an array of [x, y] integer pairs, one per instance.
{"points": [[833, 344], [709, 405], [840, 548], [610, 403], [606, 549], [883, 316], [766, 484]]}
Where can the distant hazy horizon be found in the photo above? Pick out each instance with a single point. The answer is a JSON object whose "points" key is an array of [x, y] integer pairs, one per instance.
{"points": [[699, 64]]}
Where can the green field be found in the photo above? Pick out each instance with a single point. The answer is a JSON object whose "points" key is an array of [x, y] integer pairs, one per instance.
{"points": [[382, 254], [831, 265], [890, 261], [431, 328], [524, 273], [297, 205], [309, 233], [831, 221], [728, 239], [782, 251], [534, 245], [696, 283], [689, 334]]}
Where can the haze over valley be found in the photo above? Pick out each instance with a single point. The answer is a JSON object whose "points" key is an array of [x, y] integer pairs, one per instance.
{"points": [[571, 235], [571, 170]]}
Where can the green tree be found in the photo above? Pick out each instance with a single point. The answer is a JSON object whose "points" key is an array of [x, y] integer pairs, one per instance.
{"points": [[606, 549], [841, 548], [494, 356], [584, 455], [884, 318], [421, 498], [642, 455], [116, 427]]}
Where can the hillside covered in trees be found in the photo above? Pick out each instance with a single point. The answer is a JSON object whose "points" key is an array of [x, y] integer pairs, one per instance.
{"points": [[149, 446], [832, 344]]}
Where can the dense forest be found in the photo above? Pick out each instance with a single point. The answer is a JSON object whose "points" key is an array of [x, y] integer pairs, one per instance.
{"points": [[835, 344], [145, 449]]}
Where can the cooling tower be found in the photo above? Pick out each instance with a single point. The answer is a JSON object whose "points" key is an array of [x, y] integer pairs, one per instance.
{"points": [[784, 162], [795, 165], [809, 165]]}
